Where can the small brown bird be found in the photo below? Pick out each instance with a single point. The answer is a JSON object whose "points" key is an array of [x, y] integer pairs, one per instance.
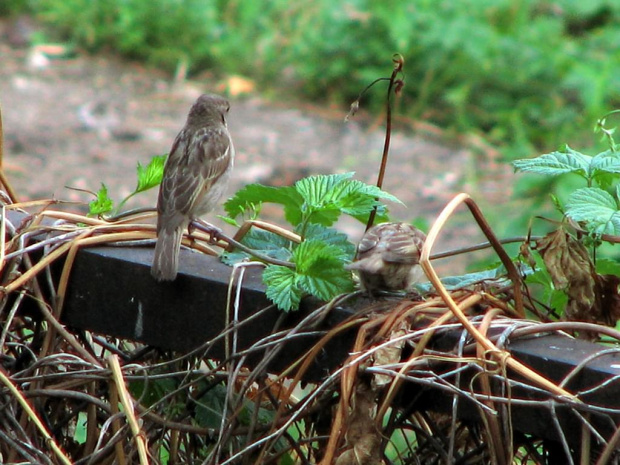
{"points": [[196, 175], [388, 257]]}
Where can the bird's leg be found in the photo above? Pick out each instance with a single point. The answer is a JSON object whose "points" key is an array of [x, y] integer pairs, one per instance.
{"points": [[215, 233]]}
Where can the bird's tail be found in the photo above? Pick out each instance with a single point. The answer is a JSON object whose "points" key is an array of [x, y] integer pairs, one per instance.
{"points": [[166, 258]]}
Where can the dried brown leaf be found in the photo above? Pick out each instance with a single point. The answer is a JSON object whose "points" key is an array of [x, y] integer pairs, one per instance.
{"points": [[591, 297], [389, 355], [362, 434]]}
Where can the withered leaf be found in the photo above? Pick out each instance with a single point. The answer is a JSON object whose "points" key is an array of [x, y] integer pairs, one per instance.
{"points": [[571, 270], [389, 354], [362, 434], [591, 297]]}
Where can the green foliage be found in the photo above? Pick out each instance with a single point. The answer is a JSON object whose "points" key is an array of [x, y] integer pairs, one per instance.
{"points": [[596, 206], [10, 7], [210, 409], [525, 73], [312, 206], [102, 203], [148, 177]]}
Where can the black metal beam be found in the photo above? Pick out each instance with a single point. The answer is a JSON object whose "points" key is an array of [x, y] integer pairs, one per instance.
{"points": [[112, 292]]}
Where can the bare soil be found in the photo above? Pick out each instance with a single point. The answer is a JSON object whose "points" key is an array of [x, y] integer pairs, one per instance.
{"points": [[79, 121]]}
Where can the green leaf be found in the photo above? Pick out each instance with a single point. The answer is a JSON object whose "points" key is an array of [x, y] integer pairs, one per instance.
{"points": [[317, 190], [210, 407], [607, 266], [152, 391], [81, 428], [151, 175], [498, 275], [328, 196], [255, 194], [605, 168], [607, 161], [264, 242], [556, 163], [380, 217], [342, 247], [282, 287], [320, 267], [264, 417], [309, 251], [326, 279], [596, 208], [102, 204]]}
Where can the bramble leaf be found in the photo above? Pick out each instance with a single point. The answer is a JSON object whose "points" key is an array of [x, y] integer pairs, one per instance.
{"points": [[321, 270], [595, 207], [556, 163], [151, 175], [282, 287], [342, 247], [328, 196], [252, 195], [318, 190], [102, 204], [264, 242]]}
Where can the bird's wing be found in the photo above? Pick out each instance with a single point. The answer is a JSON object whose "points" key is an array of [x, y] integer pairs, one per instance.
{"points": [[193, 167]]}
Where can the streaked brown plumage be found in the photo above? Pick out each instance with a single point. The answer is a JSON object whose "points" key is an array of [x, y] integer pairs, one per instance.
{"points": [[196, 175], [388, 257]]}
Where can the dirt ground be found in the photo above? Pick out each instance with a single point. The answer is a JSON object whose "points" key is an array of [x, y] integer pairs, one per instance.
{"points": [[79, 121]]}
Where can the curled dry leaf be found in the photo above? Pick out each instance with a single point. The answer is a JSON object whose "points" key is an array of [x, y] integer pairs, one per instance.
{"points": [[362, 434], [591, 297], [390, 354]]}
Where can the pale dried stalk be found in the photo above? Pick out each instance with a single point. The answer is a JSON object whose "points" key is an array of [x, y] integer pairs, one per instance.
{"points": [[139, 437], [443, 292]]}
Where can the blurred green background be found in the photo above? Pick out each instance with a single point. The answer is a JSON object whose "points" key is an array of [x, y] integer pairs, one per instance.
{"points": [[526, 75]]}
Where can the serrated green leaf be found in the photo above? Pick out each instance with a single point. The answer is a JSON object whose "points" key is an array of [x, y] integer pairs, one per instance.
{"points": [[607, 161], [255, 194], [326, 279], [102, 204], [380, 217], [282, 287], [553, 297], [263, 242], [309, 251], [342, 246], [266, 241], [321, 270], [605, 168], [151, 175], [326, 197], [318, 190], [372, 191], [556, 163], [596, 208], [326, 216]]}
